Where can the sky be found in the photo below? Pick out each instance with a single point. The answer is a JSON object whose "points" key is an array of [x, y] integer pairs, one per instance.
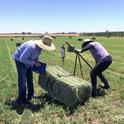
{"points": [[40, 16]]}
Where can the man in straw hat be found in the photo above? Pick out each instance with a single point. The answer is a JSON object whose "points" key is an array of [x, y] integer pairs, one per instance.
{"points": [[25, 57], [103, 60]]}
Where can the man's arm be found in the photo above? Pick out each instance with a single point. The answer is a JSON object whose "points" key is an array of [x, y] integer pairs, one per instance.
{"points": [[89, 46], [25, 56]]}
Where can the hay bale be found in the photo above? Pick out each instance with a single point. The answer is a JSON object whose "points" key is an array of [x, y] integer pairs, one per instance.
{"points": [[63, 87], [23, 38], [18, 44], [11, 39], [79, 39]]}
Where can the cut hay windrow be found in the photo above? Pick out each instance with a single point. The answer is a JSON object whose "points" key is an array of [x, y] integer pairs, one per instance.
{"points": [[64, 87]]}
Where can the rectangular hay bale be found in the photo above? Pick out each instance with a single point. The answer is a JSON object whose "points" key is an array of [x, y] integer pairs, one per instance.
{"points": [[64, 87], [18, 44]]}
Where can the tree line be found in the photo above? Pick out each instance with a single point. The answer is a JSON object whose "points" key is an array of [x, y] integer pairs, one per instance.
{"points": [[106, 34]]}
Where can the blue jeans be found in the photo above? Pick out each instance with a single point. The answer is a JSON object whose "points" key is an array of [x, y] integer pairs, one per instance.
{"points": [[23, 74], [100, 66]]}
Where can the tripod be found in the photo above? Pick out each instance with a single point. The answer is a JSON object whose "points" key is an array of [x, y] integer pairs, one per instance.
{"points": [[79, 57]]}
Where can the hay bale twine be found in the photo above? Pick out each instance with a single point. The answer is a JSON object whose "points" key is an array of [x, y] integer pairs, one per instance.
{"points": [[63, 87]]}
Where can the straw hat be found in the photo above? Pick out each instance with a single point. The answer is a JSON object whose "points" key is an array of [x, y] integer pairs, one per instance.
{"points": [[46, 43]]}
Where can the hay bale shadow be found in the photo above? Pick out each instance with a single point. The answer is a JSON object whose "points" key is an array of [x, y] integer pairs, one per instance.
{"points": [[68, 109], [42, 100]]}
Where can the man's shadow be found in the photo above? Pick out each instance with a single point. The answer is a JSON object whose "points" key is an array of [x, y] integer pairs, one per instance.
{"points": [[14, 105]]}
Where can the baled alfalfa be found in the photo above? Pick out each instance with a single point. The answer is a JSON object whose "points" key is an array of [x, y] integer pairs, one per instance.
{"points": [[18, 44], [64, 87]]}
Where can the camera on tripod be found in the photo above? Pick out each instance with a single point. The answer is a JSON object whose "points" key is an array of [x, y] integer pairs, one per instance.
{"points": [[78, 57]]}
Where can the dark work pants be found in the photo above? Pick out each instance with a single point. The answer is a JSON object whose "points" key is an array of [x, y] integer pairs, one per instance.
{"points": [[100, 66], [24, 74]]}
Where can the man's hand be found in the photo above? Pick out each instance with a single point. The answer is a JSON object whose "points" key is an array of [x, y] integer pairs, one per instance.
{"points": [[37, 64], [77, 50]]}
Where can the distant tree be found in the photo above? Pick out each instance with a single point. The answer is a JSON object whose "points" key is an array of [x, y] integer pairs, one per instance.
{"points": [[23, 32], [28, 32], [107, 34]]}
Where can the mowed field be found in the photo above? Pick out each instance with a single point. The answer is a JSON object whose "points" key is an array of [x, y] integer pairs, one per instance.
{"points": [[107, 109]]}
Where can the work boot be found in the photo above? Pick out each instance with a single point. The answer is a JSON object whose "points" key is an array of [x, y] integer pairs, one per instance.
{"points": [[29, 97], [94, 92], [106, 86], [22, 102]]}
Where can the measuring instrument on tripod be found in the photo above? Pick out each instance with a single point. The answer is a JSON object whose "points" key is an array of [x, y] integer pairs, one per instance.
{"points": [[78, 57]]}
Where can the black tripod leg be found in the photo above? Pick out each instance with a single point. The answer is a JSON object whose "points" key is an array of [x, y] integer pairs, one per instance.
{"points": [[80, 66], [75, 64], [85, 61]]}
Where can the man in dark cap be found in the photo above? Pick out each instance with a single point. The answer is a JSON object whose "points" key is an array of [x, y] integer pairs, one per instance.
{"points": [[103, 60]]}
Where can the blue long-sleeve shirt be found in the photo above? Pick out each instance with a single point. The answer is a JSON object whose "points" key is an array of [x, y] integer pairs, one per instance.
{"points": [[27, 53]]}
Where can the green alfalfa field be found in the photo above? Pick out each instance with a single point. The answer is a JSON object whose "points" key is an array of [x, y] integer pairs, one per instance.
{"points": [[106, 109]]}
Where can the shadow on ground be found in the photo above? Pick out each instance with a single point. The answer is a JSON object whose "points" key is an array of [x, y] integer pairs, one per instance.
{"points": [[42, 100], [21, 107]]}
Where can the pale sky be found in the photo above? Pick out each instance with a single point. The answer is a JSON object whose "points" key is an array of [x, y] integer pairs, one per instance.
{"points": [[61, 15]]}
